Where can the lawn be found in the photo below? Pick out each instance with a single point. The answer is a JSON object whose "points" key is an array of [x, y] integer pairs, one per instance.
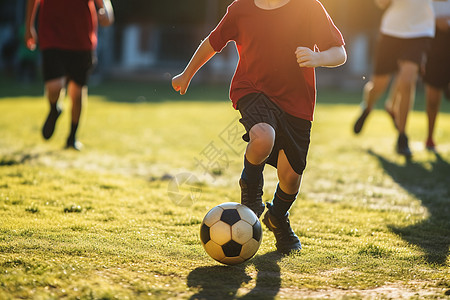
{"points": [[116, 221]]}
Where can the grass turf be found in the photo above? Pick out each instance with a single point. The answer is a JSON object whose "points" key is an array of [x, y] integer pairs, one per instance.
{"points": [[110, 223]]}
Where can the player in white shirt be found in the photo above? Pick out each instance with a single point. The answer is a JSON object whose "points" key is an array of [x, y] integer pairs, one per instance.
{"points": [[406, 30]]}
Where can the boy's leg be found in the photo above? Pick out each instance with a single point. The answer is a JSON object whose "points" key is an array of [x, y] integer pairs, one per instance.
{"points": [[406, 85], [262, 139], [77, 95], [392, 101], [433, 101], [277, 217], [373, 90], [54, 91]]}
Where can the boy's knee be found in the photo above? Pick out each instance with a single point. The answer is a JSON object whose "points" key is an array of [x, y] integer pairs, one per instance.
{"points": [[407, 81], [408, 74], [262, 137], [55, 85]]}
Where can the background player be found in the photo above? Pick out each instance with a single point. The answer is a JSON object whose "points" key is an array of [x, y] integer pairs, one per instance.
{"points": [[67, 39]]}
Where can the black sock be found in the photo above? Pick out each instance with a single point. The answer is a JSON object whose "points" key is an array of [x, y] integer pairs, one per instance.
{"points": [[50, 122], [252, 173], [54, 108], [282, 202], [73, 131]]}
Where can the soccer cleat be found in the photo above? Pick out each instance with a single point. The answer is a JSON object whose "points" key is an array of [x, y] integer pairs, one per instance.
{"points": [[74, 144], [430, 145], [49, 125], [286, 240], [251, 196], [360, 122], [402, 146]]}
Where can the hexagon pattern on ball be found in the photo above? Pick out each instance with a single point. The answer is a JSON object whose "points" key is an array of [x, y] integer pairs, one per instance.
{"points": [[231, 233]]}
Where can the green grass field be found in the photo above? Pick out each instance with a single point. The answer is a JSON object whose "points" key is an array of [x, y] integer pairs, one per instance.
{"points": [[109, 223]]}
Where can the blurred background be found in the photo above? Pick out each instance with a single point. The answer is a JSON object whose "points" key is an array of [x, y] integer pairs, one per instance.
{"points": [[153, 40]]}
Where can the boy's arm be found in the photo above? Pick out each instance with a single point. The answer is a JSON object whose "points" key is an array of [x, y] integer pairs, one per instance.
{"points": [[205, 52], [443, 23], [105, 12], [30, 31], [333, 57]]}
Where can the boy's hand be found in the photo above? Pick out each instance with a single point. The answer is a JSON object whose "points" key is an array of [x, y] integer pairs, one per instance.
{"points": [[103, 18], [31, 38], [306, 57], [105, 13], [180, 83], [332, 57]]}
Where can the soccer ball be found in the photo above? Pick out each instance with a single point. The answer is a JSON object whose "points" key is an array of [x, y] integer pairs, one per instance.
{"points": [[231, 233]]}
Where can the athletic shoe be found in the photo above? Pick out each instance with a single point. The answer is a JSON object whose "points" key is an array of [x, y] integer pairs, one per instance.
{"points": [[74, 144], [430, 145], [49, 125], [251, 196], [360, 122], [286, 240], [402, 145]]}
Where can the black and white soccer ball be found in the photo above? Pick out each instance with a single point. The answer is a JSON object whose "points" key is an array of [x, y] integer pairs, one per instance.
{"points": [[231, 233]]}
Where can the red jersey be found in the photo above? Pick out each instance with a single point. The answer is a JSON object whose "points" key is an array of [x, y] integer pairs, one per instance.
{"points": [[266, 41], [67, 24]]}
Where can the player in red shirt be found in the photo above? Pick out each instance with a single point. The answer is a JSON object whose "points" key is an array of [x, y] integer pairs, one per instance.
{"points": [[67, 39], [280, 42]]}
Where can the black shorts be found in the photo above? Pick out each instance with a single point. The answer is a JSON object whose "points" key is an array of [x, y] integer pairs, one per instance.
{"points": [[390, 50], [292, 134], [75, 65], [437, 68]]}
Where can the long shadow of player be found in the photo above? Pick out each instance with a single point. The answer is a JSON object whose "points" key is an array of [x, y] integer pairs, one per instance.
{"points": [[19, 158], [223, 282], [430, 183]]}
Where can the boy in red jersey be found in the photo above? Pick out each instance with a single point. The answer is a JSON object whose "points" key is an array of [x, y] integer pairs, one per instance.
{"points": [[280, 42], [67, 38]]}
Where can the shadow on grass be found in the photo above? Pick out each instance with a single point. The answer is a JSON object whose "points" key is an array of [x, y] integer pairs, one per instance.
{"points": [[20, 158], [430, 183], [223, 282]]}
